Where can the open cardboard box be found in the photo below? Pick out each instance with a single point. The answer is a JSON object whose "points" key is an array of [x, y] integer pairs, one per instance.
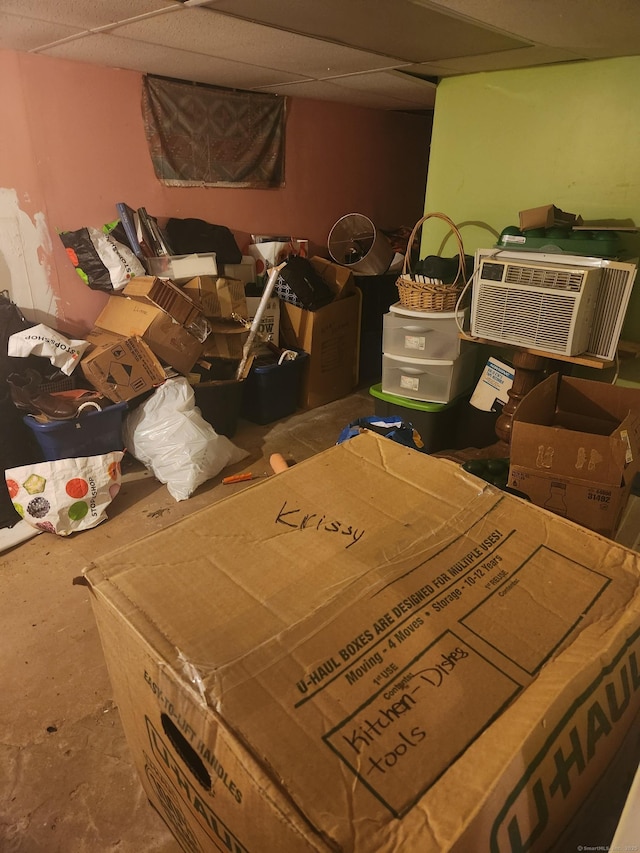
{"points": [[330, 336], [218, 296], [372, 652], [167, 339], [575, 449]]}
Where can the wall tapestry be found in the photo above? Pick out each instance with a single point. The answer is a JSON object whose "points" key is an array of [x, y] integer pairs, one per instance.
{"points": [[201, 135]]}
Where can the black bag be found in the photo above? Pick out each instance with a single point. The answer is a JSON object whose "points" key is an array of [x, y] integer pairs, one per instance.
{"points": [[195, 236], [444, 269], [17, 444], [299, 283]]}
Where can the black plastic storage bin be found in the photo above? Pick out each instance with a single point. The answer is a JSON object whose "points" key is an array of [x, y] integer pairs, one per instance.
{"points": [[272, 391], [219, 394], [219, 403]]}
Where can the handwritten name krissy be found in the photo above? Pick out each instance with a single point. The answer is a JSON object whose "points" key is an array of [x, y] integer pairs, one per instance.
{"points": [[300, 520]]}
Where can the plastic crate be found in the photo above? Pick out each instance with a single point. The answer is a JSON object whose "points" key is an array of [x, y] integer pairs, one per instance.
{"points": [[91, 434]]}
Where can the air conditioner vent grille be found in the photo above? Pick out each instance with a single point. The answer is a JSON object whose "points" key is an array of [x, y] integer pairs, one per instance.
{"points": [[553, 279], [539, 320]]}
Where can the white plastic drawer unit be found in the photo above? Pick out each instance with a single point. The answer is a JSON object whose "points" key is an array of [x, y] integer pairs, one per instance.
{"points": [[418, 334], [432, 380]]}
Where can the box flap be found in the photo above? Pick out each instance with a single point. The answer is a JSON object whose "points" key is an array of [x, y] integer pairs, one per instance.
{"points": [[360, 620], [339, 278], [125, 316]]}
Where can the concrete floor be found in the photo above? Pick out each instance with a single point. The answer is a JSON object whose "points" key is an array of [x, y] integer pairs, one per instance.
{"points": [[67, 783]]}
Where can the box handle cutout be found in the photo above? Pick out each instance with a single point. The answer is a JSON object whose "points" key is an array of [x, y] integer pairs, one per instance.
{"points": [[186, 752]]}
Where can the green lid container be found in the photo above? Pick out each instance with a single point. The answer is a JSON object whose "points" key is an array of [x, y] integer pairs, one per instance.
{"points": [[435, 422]]}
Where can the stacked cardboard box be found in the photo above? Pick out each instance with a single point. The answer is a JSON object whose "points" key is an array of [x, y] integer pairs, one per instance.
{"points": [[120, 367]]}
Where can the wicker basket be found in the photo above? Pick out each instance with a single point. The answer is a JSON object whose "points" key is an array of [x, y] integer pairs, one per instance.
{"points": [[419, 294]]}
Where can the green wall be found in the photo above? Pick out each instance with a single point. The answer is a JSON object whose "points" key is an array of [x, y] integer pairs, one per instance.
{"points": [[505, 141]]}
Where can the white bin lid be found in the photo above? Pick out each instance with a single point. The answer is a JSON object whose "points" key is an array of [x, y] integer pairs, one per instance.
{"points": [[398, 308]]}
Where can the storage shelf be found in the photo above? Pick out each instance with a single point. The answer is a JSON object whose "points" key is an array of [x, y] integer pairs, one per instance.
{"points": [[584, 360]]}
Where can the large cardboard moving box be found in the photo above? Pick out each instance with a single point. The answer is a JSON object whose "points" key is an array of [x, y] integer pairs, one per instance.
{"points": [[575, 449], [372, 652]]}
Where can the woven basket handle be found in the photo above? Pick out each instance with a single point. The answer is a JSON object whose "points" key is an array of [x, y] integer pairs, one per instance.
{"points": [[456, 234]]}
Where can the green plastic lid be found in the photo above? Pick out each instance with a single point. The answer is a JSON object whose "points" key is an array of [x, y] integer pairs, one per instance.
{"points": [[406, 403]]}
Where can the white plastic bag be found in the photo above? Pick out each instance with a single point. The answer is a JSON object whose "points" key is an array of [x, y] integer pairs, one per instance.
{"points": [[168, 434], [41, 340], [65, 495]]}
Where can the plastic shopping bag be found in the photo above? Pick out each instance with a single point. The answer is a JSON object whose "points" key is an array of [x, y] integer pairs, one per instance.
{"points": [[41, 340], [65, 495], [100, 260]]}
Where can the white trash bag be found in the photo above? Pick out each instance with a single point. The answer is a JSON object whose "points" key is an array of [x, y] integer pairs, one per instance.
{"points": [[170, 437]]}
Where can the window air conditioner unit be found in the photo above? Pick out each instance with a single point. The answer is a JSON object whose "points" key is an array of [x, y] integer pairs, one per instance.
{"points": [[568, 305]]}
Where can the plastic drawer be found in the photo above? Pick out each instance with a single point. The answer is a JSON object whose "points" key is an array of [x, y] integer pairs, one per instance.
{"points": [[433, 380], [421, 335]]}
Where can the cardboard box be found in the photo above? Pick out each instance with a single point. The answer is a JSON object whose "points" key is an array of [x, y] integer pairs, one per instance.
{"points": [[178, 304], [226, 340], [490, 393], [339, 278], [391, 656], [166, 338], [547, 216], [245, 271], [218, 296], [121, 368], [575, 449], [331, 336]]}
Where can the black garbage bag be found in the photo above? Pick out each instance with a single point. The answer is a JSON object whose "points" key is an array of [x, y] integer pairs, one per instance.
{"points": [[195, 236]]}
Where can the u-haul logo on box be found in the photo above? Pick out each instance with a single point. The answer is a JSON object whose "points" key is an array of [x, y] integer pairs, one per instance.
{"points": [[215, 828], [597, 717]]}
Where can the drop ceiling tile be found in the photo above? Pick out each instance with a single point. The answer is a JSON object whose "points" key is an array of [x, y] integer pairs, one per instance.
{"points": [[524, 58], [578, 26], [399, 28], [392, 84], [19, 34], [207, 32], [325, 90], [108, 50], [84, 15]]}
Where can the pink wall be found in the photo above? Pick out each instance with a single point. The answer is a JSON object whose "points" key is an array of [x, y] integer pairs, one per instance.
{"points": [[72, 144]]}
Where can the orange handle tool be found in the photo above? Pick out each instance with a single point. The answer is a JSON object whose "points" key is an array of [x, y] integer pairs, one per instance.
{"points": [[278, 463], [237, 478]]}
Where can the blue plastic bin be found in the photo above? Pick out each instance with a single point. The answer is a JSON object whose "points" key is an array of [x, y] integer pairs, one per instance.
{"points": [[90, 434]]}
